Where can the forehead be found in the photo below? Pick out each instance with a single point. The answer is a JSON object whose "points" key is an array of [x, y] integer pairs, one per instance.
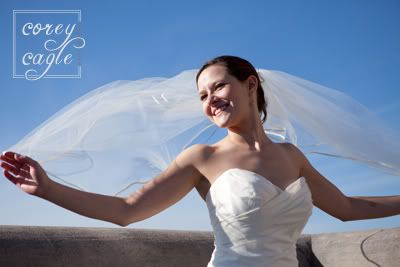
{"points": [[211, 75]]}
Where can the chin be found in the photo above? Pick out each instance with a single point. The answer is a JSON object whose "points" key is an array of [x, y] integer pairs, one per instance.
{"points": [[222, 124]]}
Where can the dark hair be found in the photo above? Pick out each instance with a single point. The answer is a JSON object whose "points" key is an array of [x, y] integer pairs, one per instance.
{"points": [[241, 69]]}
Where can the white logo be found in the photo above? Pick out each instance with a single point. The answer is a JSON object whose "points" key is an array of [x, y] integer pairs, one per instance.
{"points": [[46, 44]]}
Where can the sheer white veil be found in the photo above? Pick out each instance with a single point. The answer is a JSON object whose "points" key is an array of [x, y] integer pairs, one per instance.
{"points": [[126, 132]]}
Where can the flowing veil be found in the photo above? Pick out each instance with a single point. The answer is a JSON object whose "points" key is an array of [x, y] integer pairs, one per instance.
{"points": [[126, 132]]}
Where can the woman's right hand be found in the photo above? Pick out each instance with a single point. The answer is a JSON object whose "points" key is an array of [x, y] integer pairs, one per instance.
{"points": [[25, 173]]}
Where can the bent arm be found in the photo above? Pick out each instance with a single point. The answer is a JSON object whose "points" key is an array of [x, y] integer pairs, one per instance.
{"points": [[92, 205]]}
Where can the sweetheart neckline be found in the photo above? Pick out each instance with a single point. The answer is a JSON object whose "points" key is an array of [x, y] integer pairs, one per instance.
{"points": [[258, 175]]}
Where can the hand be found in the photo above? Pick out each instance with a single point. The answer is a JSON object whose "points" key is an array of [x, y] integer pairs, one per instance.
{"points": [[25, 172]]}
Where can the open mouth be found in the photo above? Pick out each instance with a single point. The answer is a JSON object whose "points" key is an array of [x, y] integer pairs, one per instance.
{"points": [[221, 109]]}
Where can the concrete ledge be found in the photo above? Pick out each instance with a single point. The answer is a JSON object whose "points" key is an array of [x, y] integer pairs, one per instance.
{"points": [[377, 247], [81, 246], [76, 246]]}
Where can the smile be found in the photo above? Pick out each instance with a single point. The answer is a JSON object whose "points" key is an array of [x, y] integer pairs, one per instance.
{"points": [[220, 109]]}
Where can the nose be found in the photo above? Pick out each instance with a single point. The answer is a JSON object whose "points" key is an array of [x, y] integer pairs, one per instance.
{"points": [[210, 99]]}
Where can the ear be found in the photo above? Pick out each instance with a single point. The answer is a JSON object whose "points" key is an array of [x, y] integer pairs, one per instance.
{"points": [[252, 85]]}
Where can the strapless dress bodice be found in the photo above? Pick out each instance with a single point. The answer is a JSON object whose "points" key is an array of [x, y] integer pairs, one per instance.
{"points": [[255, 222]]}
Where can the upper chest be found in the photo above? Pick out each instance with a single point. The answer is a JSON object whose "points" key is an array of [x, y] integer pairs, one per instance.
{"points": [[277, 164]]}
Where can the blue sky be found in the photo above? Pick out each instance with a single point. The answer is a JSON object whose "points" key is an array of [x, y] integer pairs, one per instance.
{"points": [[351, 46]]}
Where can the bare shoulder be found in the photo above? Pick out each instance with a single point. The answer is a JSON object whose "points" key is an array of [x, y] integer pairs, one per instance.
{"points": [[167, 188], [305, 167], [325, 194], [194, 158], [296, 155], [194, 155]]}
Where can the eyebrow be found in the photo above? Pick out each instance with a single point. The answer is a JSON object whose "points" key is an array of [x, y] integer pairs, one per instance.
{"points": [[212, 85]]}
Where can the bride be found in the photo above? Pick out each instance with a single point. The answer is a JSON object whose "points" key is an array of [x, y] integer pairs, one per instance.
{"points": [[259, 193]]}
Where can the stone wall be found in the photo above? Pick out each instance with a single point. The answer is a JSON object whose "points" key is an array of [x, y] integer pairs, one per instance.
{"points": [[79, 246]]}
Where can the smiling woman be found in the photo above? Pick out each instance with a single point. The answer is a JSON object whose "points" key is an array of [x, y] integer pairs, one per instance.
{"points": [[229, 71], [258, 185]]}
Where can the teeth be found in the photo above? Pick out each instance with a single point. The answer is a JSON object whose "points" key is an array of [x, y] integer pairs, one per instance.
{"points": [[219, 110]]}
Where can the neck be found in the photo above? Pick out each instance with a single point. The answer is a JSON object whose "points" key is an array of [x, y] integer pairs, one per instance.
{"points": [[249, 134]]}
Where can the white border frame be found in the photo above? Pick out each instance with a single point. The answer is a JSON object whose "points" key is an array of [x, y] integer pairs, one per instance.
{"points": [[15, 12]]}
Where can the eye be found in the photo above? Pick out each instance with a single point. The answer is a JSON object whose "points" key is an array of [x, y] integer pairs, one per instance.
{"points": [[217, 87], [220, 85]]}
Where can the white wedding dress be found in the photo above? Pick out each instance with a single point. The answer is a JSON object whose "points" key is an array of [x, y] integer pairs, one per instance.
{"points": [[256, 223]]}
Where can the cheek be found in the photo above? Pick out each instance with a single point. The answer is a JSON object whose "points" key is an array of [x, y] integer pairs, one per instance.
{"points": [[206, 110]]}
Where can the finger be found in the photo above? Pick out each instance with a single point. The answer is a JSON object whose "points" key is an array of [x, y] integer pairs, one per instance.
{"points": [[8, 154], [15, 171], [21, 161], [12, 162], [9, 158], [18, 181], [12, 155], [20, 158], [26, 167], [11, 177]]}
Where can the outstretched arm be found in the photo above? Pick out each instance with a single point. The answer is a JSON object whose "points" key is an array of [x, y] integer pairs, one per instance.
{"points": [[156, 195], [30, 177], [373, 207], [330, 199]]}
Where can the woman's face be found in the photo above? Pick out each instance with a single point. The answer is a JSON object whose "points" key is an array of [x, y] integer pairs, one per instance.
{"points": [[222, 95]]}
